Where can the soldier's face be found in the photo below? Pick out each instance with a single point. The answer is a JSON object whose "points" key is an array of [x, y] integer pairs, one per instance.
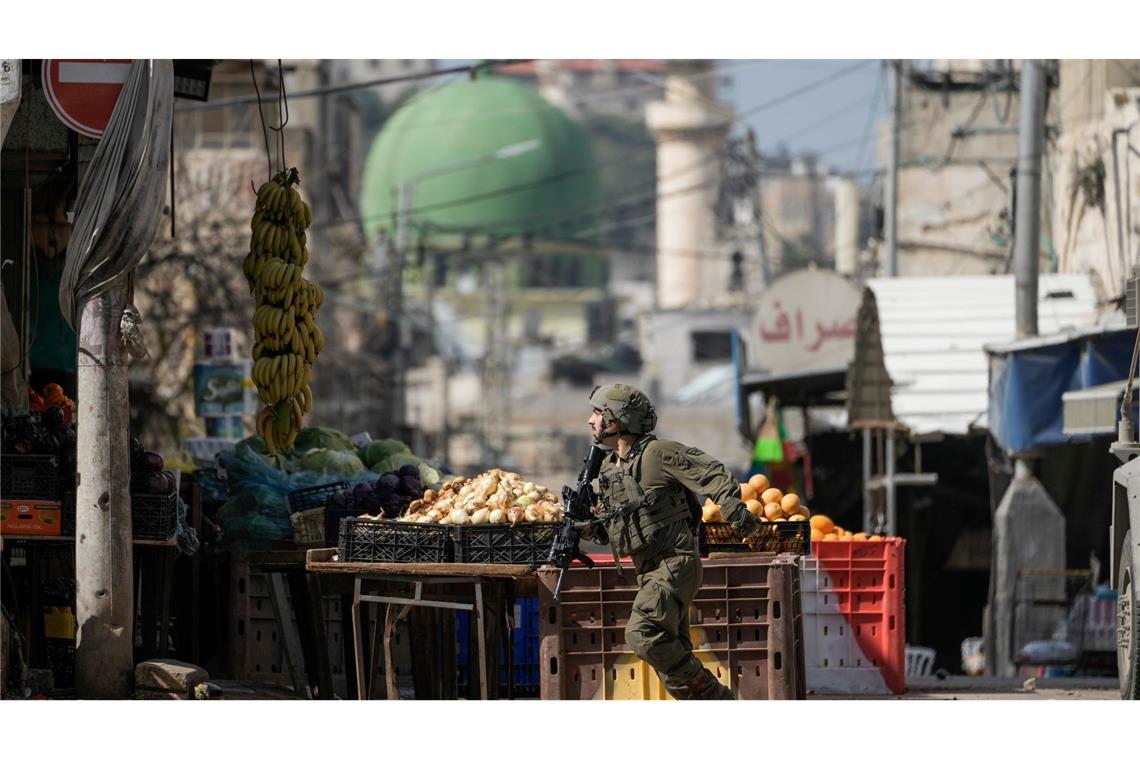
{"points": [[595, 423]]}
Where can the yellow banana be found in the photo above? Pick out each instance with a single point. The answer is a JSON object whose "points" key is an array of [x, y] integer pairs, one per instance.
{"points": [[298, 416], [265, 191], [307, 397]]}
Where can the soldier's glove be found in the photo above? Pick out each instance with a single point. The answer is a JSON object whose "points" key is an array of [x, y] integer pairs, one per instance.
{"points": [[747, 526]]}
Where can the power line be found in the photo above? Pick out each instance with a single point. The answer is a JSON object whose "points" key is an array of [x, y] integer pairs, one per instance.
{"points": [[880, 87], [562, 176], [801, 90], [548, 106], [335, 89]]}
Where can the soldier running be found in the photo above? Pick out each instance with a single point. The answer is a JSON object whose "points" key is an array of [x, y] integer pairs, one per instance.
{"points": [[648, 511]]}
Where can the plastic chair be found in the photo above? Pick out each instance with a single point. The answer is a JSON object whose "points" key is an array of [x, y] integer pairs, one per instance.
{"points": [[919, 660]]}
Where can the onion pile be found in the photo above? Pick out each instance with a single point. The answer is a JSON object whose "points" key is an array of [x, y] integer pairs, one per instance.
{"points": [[494, 497]]}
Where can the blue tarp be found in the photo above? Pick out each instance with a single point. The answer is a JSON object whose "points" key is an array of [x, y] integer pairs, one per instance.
{"points": [[1027, 380]]}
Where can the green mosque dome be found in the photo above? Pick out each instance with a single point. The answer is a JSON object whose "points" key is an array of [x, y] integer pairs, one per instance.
{"points": [[444, 141]]}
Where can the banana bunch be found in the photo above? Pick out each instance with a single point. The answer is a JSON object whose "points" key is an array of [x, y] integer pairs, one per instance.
{"points": [[286, 337]]}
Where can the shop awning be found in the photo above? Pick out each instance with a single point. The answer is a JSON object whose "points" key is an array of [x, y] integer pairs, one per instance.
{"points": [[1029, 380]]}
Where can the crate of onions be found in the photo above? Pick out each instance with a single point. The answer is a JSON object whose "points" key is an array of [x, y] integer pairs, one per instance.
{"points": [[497, 517]]}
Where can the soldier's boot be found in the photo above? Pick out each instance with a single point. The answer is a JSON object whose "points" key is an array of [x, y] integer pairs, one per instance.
{"points": [[704, 685]]}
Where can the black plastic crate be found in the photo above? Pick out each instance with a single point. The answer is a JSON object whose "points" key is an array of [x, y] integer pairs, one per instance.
{"points": [[779, 537], [522, 544], [30, 476], [60, 657], [314, 496], [67, 514], [365, 540], [153, 517]]}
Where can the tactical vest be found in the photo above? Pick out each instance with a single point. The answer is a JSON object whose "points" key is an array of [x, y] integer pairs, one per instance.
{"points": [[632, 516]]}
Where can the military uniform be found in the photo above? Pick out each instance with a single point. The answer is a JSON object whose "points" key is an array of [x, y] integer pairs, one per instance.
{"points": [[648, 512]]}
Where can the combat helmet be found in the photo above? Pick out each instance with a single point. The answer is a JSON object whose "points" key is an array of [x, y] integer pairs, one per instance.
{"points": [[627, 406]]}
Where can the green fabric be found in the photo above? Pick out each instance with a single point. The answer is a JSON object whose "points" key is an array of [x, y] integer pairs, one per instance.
{"points": [[658, 627], [54, 345], [770, 449], [669, 469]]}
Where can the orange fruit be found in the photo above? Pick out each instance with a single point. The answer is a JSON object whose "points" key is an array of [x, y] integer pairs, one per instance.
{"points": [[754, 507], [759, 483], [772, 511], [797, 518], [771, 495], [763, 519], [846, 537], [747, 492], [790, 504], [822, 523], [780, 519], [803, 510], [875, 538], [859, 537], [816, 534], [830, 537]]}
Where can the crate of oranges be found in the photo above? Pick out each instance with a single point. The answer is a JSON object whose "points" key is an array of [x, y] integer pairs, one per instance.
{"points": [[785, 522]]}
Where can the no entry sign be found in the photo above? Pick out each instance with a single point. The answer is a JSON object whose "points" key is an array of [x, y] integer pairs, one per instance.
{"points": [[83, 91]]}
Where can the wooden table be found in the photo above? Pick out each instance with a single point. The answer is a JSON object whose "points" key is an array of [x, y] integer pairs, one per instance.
{"points": [[417, 577]]}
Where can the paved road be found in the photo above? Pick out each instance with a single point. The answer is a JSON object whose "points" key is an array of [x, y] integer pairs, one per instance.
{"points": [[956, 688]]}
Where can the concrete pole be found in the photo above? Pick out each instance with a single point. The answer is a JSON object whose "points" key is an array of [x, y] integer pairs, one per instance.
{"points": [[846, 194], [1027, 215], [690, 133], [104, 647], [891, 187]]}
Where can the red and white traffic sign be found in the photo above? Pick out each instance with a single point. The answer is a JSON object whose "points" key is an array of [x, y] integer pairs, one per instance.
{"points": [[83, 91]]}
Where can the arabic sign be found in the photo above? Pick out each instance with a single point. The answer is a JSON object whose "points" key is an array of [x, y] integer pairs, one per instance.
{"points": [[804, 321]]}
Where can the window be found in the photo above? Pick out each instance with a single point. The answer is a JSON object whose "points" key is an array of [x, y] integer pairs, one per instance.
{"points": [[712, 345]]}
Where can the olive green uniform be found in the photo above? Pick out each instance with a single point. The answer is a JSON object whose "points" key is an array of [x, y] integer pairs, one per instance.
{"points": [[648, 515]]}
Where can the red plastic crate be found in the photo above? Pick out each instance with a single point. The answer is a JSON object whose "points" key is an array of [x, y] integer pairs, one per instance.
{"points": [[854, 616]]}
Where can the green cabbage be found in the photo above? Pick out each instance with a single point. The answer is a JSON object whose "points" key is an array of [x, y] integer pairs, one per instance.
{"points": [[329, 461], [322, 438], [373, 451], [393, 462], [429, 476]]}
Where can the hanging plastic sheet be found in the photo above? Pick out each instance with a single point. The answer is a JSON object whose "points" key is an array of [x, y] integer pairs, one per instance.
{"points": [[1028, 379], [123, 192]]}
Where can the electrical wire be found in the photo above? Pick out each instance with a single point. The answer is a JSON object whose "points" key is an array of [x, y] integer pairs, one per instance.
{"points": [[336, 89], [792, 94], [880, 88]]}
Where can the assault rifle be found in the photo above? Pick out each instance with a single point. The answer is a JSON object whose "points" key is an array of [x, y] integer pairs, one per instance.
{"points": [[579, 502]]}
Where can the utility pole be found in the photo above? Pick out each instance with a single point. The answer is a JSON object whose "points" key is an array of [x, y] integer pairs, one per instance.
{"points": [[104, 596], [1027, 211], [496, 361], [891, 188], [753, 185]]}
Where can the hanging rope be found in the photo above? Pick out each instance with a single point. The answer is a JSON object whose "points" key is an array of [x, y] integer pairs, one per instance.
{"points": [[282, 108], [261, 114]]}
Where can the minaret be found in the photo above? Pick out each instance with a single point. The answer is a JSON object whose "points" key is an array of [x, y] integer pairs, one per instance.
{"points": [[690, 128]]}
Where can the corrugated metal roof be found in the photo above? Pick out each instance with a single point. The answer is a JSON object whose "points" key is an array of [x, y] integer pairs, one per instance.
{"points": [[934, 330]]}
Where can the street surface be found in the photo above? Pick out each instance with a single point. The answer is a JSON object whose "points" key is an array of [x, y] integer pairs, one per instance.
{"points": [[955, 688]]}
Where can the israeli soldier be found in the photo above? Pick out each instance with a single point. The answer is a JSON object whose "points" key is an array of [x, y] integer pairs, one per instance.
{"points": [[648, 511]]}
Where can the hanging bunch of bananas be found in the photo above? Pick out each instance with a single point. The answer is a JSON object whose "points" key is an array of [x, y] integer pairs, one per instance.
{"points": [[286, 337]]}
